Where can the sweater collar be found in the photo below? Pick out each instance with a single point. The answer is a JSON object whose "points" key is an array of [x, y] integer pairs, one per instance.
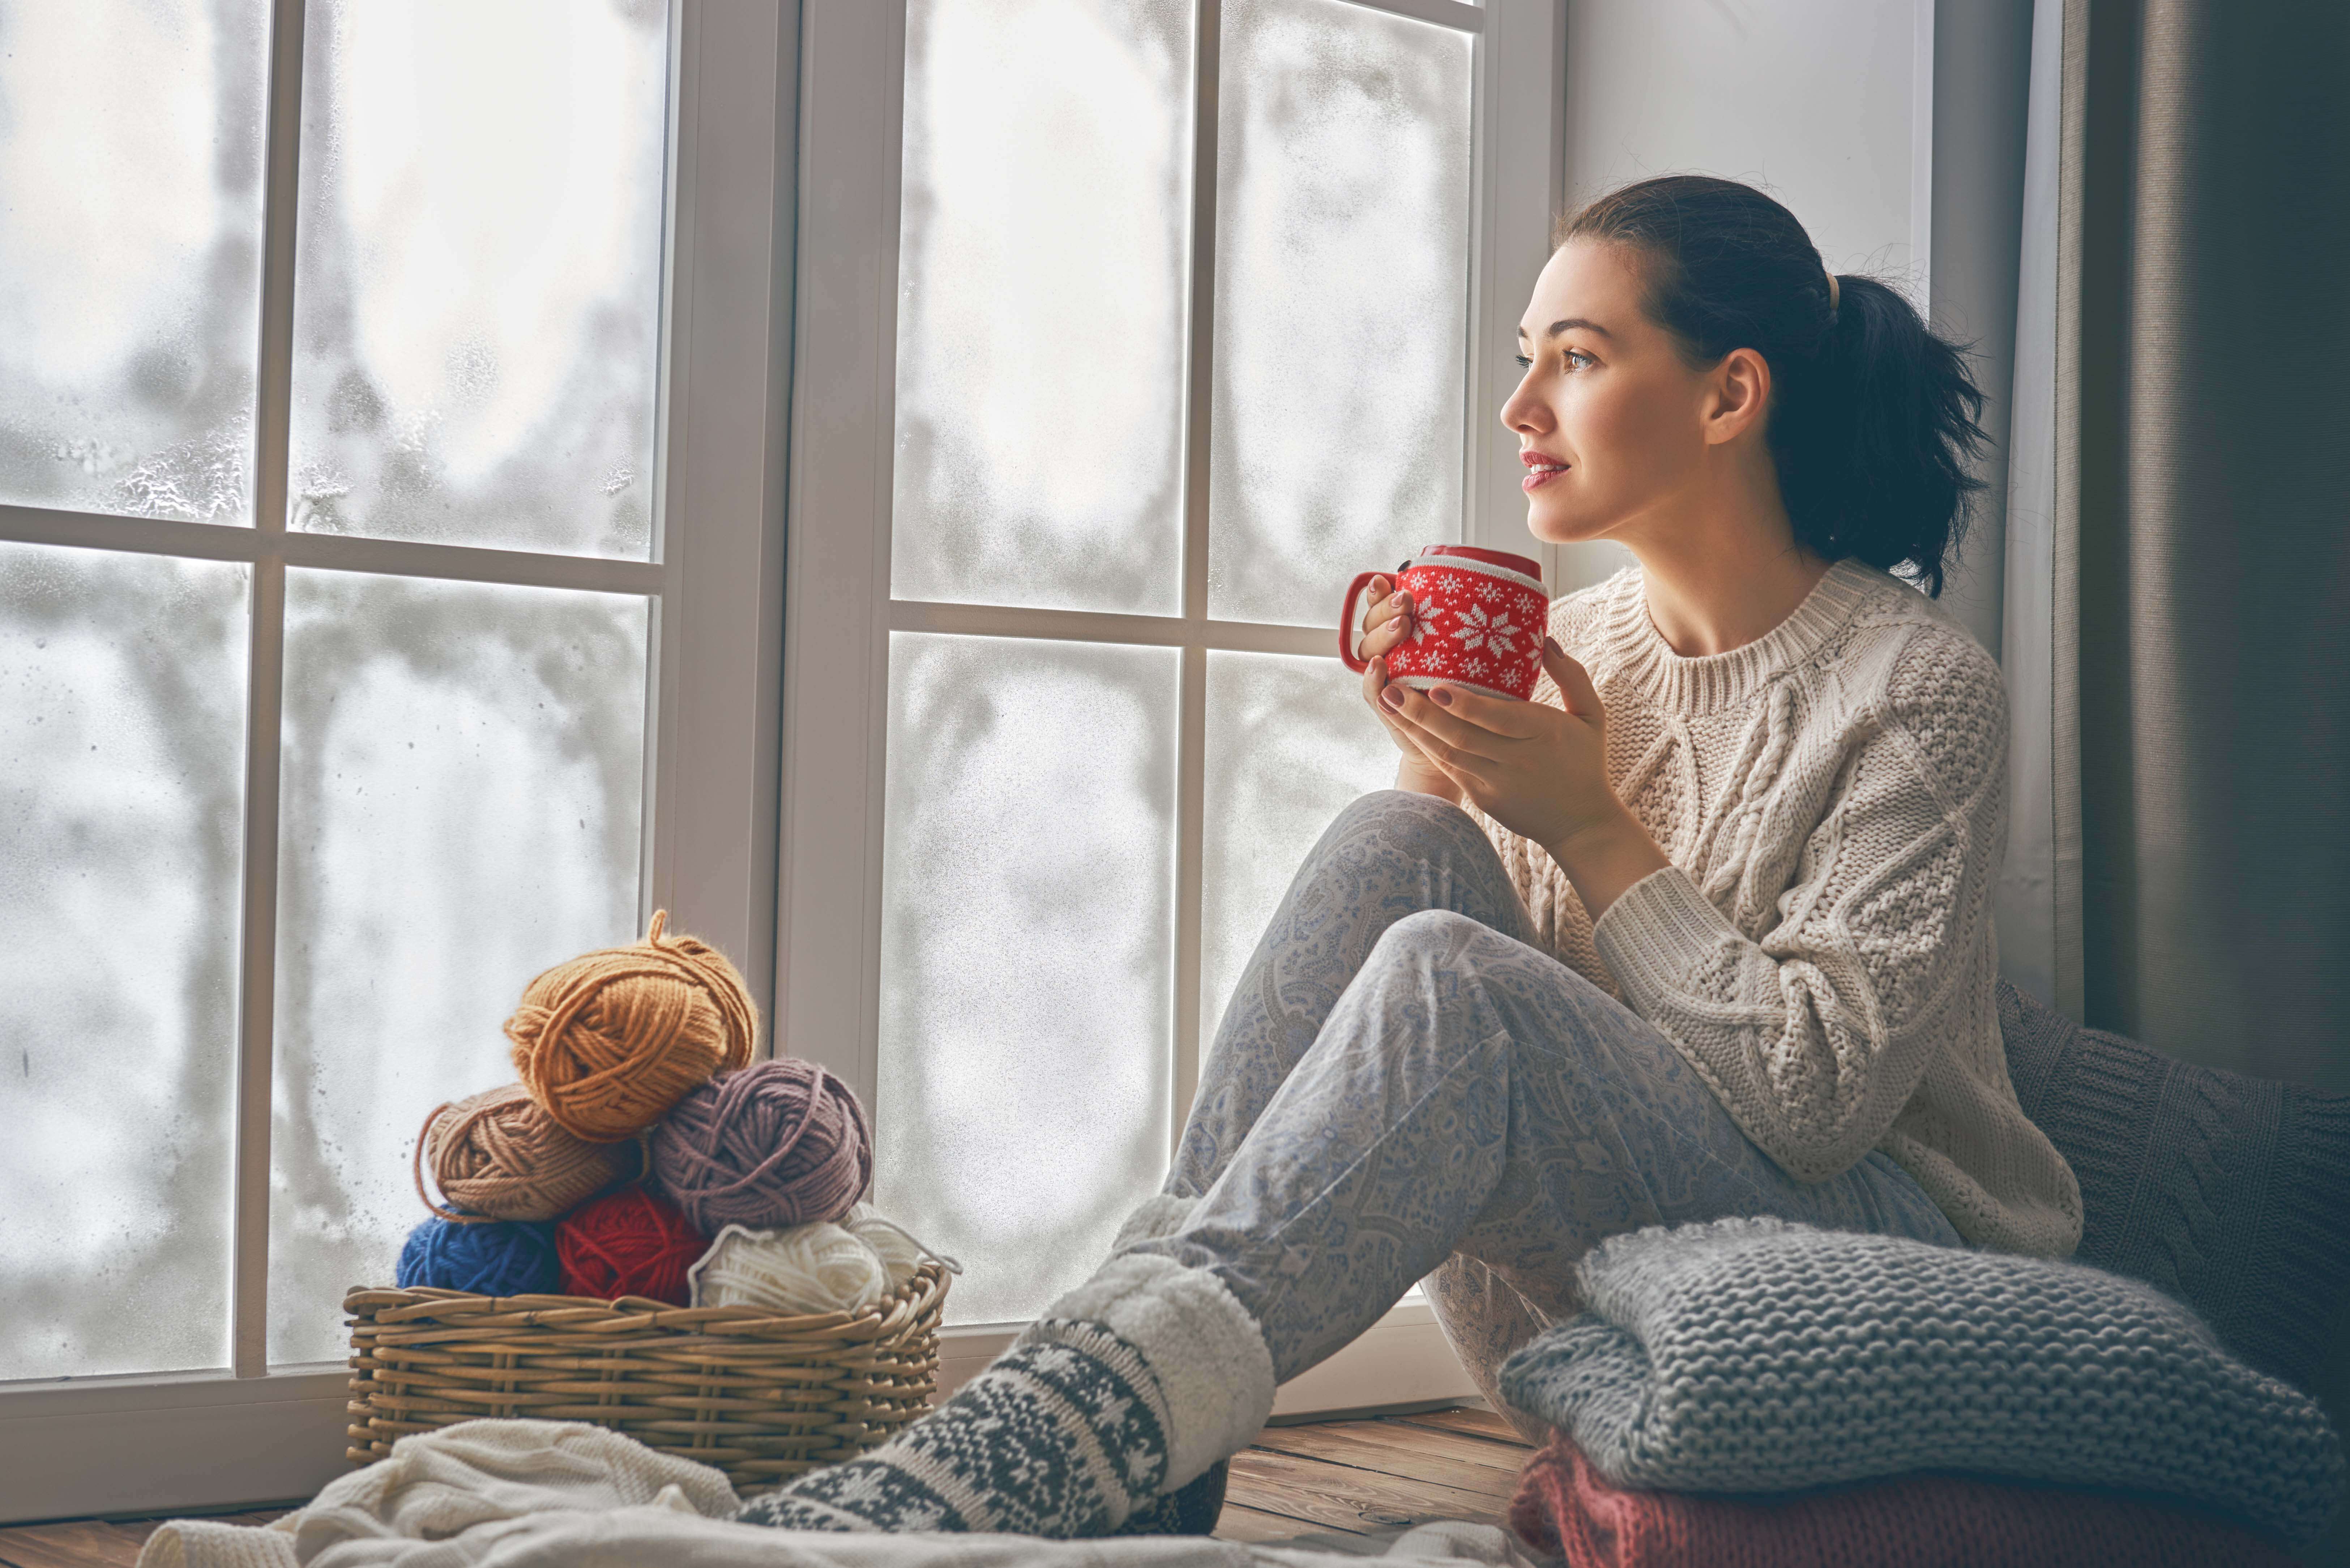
{"points": [[1716, 681]]}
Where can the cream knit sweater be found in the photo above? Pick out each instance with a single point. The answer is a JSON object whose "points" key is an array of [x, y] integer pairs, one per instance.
{"points": [[1832, 797]]}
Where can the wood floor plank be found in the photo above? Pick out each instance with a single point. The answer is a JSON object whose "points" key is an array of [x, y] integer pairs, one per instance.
{"points": [[1240, 1523], [1388, 1451], [79, 1543], [1476, 1423], [1339, 1497], [1452, 1445]]}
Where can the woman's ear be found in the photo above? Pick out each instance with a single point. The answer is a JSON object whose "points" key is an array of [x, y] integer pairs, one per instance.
{"points": [[1741, 391]]}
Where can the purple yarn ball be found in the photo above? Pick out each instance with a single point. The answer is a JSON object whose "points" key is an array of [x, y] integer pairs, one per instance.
{"points": [[774, 1144]]}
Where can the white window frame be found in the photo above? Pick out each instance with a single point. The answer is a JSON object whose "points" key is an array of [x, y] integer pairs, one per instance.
{"points": [[250, 1433], [840, 612]]}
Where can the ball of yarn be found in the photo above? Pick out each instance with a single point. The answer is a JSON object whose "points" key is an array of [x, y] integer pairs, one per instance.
{"points": [[608, 1040], [502, 1258], [780, 1144], [628, 1244], [899, 1253], [817, 1267], [497, 1154]]}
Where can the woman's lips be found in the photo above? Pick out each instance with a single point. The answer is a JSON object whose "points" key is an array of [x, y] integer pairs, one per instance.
{"points": [[1540, 472]]}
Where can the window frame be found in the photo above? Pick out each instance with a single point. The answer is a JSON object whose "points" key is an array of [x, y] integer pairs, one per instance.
{"points": [[839, 612], [250, 1433]]}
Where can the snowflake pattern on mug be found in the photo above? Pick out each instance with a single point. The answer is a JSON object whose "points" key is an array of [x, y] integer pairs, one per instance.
{"points": [[1478, 629]]}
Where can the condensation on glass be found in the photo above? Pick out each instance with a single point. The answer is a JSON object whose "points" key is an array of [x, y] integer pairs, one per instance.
{"points": [[1289, 743], [1027, 954], [1342, 301], [130, 185], [478, 263], [1040, 306], [121, 802], [461, 781]]}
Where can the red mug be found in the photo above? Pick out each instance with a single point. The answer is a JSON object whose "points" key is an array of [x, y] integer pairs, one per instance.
{"points": [[1479, 617]]}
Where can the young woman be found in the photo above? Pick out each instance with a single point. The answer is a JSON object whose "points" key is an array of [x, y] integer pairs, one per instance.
{"points": [[1702, 930]]}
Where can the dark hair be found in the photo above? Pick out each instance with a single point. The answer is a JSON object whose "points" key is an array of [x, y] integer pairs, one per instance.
{"points": [[1873, 417]]}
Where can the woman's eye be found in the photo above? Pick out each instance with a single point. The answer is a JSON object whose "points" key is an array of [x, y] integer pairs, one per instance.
{"points": [[1524, 363], [1577, 360]]}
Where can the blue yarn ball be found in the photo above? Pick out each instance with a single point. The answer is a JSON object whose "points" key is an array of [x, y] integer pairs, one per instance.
{"points": [[506, 1257]]}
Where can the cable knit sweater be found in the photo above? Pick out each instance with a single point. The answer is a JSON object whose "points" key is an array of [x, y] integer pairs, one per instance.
{"points": [[1833, 799]]}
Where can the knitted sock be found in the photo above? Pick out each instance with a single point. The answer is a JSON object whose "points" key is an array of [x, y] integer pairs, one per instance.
{"points": [[1127, 1388]]}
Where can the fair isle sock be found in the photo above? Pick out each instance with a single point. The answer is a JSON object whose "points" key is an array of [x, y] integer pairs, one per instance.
{"points": [[1133, 1385]]}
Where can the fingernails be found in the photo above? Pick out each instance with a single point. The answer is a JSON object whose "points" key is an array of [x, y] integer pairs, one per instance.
{"points": [[1442, 696], [1392, 696], [1403, 601]]}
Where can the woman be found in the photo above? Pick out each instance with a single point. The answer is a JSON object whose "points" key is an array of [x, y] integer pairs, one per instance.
{"points": [[1712, 936]]}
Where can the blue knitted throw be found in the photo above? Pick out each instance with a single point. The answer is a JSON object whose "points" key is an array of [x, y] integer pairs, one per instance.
{"points": [[1747, 1356]]}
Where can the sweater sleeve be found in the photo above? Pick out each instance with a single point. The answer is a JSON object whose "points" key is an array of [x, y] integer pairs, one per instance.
{"points": [[1815, 1035]]}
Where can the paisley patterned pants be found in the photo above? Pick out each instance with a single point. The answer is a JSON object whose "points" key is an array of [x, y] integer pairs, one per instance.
{"points": [[1402, 1087]]}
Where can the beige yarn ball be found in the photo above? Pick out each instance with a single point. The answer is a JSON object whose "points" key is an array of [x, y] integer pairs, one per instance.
{"points": [[812, 1269], [497, 1156]]}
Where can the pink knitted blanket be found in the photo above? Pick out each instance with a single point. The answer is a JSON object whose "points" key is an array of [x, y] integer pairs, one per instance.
{"points": [[1565, 1508]]}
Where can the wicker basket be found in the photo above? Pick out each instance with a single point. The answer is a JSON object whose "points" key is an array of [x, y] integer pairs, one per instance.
{"points": [[761, 1397]]}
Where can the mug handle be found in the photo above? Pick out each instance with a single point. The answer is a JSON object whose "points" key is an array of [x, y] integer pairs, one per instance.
{"points": [[1347, 622]]}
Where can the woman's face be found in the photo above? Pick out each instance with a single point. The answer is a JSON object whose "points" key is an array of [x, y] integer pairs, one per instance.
{"points": [[1611, 424]]}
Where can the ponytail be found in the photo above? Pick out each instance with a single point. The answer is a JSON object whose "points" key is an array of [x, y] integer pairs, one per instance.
{"points": [[1872, 419]]}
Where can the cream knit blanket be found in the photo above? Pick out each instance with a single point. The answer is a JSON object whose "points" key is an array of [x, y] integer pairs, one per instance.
{"points": [[1832, 797], [561, 1494]]}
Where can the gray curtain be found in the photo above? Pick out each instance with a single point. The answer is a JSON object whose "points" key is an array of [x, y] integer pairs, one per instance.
{"points": [[2179, 528], [2176, 632]]}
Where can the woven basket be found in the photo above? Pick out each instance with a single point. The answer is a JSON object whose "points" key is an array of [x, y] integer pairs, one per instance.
{"points": [[761, 1397]]}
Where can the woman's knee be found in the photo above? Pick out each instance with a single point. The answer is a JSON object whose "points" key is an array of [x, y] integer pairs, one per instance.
{"points": [[1431, 940], [1404, 822]]}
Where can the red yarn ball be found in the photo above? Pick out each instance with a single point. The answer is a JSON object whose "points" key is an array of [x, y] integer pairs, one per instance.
{"points": [[630, 1243]]}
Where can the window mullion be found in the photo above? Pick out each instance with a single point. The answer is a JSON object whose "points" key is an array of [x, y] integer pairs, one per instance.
{"points": [[1191, 733], [264, 702]]}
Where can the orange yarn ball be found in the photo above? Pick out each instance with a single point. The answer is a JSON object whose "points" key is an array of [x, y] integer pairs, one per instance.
{"points": [[608, 1040], [496, 1155]]}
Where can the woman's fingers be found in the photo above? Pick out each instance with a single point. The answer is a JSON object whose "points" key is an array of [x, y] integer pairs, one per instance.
{"points": [[1574, 682], [1438, 733]]}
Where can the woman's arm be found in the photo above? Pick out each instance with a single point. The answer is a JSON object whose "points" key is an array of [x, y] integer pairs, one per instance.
{"points": [[1815, 1037]]}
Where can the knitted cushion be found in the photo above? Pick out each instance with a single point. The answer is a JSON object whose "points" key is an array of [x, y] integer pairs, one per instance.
{"points": [[1567, 1508], [1746, 1356], [2231, 1193]]}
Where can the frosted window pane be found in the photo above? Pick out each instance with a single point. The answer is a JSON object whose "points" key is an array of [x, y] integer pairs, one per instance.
{"points": [[121, 792], [1027, 940], [1040, 312], [462, 780], [478, 267], [131, 158], [1342, 277], [1289, 743]]}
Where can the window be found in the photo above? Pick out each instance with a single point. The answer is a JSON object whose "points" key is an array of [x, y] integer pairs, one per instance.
{"points": [[1129, 329], [388, 583]]}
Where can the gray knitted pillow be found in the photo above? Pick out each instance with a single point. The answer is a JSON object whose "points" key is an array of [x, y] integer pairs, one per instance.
{"points": [[1750, 1356], [2230, 1193]]}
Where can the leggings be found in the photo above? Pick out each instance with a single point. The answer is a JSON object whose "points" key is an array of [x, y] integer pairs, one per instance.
{"points": [[1403, 1088]]}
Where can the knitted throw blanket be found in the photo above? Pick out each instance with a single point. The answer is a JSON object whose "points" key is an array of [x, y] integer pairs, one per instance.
{"points": [[1746, 1356]]}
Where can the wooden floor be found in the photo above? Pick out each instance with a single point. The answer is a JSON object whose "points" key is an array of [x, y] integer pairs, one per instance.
{"points": [[1367, 1478], [1364, 1477]]}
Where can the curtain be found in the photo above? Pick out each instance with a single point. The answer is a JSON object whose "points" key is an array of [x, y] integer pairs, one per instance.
{"points": [[2177, 584]]}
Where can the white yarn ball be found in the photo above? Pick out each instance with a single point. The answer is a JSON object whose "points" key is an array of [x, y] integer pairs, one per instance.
{"points": [[899, 1252], [806, 1269]]}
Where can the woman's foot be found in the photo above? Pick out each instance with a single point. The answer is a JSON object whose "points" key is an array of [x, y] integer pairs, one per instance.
{"points": [[1129, 1388]]}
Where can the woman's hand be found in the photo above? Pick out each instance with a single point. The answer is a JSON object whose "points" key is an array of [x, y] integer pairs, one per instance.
{"points": [[1539, 770], [1387, 623]]}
